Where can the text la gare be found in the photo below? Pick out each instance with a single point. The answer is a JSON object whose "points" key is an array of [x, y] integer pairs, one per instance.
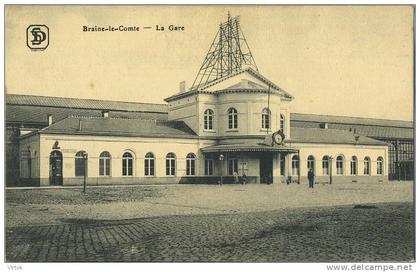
{"points": [[170, 28]]}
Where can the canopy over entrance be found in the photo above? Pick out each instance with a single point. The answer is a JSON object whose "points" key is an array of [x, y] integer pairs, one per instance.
{"points": [[248, 148]]}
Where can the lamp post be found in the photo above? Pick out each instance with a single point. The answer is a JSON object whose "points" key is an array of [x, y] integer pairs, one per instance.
{"points": [[330, 159], [85, 157], [221, 158]]}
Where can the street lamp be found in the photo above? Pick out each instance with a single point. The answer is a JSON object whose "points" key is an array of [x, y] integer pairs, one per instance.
{"points": [[85, 157], [221, 158]]}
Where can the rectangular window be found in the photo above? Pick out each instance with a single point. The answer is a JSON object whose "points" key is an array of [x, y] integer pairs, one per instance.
{"points": [[104, 167], [130, 168], [170, 167], [233, 166], [190, 171], [108, 167], [311, 164], [149, 167], [124, 168], [266, 121], [340, 170], [325, 168], [353, 170], [101, 167], [208, 167], [366, 169], [379, 169], [80, 167]]}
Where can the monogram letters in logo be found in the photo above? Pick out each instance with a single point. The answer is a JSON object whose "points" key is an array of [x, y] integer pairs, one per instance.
{"points": [[37, 37]]}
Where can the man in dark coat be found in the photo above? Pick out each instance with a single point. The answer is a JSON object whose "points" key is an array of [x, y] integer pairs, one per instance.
{"points": [[311, 177]]}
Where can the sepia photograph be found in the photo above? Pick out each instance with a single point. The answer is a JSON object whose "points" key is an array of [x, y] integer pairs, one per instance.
{"points": [[210, 134]]}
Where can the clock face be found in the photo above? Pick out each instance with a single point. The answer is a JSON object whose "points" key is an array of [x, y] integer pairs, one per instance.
{"points": [[278, 139]]}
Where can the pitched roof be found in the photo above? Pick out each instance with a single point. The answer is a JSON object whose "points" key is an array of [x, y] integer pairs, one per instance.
{"points": [[378, 128], [37, 115], [120, 127], [77, 103], [329, 136], [33, 110], [349, 120]]}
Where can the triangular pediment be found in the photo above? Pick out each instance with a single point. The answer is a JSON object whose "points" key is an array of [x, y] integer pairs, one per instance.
{"points": [[247, 79]]}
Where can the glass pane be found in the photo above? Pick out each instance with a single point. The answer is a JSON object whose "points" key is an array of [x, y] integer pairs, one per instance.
{"points": [[152, 167], [193, 167], [101, 167], [108, 167]]}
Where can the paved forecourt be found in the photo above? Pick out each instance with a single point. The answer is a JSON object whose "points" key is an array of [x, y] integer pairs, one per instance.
{"points": [[212, 223]]}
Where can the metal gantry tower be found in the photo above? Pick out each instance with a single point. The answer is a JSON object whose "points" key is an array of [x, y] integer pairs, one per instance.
{"points": [[228, 53]]}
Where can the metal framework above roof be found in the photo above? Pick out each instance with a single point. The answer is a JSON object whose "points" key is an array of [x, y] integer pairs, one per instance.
{"points": [[228, 53]]}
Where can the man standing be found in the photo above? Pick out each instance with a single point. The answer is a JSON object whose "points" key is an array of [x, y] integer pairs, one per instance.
{"points": [[311, 177], [235, 177]]}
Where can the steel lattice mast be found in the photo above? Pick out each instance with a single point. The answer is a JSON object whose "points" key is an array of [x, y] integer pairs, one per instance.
{"points": [[228, 53]]}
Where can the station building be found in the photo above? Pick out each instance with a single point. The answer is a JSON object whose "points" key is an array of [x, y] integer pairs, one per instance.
{"points": [[209, 134], [240, 122]]}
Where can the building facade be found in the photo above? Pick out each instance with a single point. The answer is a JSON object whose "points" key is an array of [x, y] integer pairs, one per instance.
{"points": [[212, 133]]}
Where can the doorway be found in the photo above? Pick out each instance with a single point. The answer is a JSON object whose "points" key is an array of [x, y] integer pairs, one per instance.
{"points": [[266, 168], [56, 168]]}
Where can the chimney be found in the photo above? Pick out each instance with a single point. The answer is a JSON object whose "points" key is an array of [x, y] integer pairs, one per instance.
{"points": [[80, 124], [50, 119], [182, 86], [105, 113]]}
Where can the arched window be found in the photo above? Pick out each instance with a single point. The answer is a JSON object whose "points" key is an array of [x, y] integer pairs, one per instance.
{"points": [[295, 165], [325, 165], [311, 163], [170, 164], [380, 166], [208, 119], [80, 165], [366, 164], [353, 166], [190, 170], [127, 164], [149, 165], [105, 164], [282, 123], [339, 163], [265, 118], [232, 118]]}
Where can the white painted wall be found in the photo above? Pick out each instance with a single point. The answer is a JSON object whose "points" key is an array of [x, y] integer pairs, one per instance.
{"points": [[347, 151], [94, 145]]}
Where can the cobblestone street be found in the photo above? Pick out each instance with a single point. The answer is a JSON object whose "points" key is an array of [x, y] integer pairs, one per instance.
{"points": [[326, 234]]}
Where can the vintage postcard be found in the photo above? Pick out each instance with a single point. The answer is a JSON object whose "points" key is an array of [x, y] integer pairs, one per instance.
{"points": [[228, 133]]}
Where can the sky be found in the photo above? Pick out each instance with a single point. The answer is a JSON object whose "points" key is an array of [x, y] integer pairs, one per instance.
{"points": [[337, 60]]}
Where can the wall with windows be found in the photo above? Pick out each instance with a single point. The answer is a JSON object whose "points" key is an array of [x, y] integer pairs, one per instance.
{"points": [[227, 113], [342, 162], [207, 115], [122, 159], [241, 113]]}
